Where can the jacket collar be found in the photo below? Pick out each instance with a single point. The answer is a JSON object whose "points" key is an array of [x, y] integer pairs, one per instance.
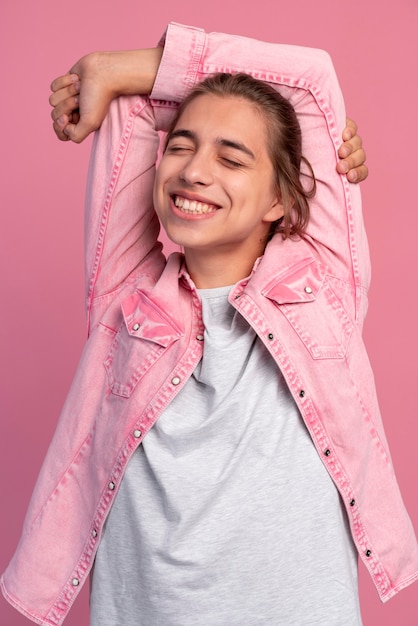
{"points": [[287, 273]]}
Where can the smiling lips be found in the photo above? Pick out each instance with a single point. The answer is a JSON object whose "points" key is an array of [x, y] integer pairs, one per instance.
{"points": [[192, 207]]}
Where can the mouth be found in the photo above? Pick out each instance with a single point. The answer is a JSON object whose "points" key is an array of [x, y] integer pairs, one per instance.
{"points": [[193, 207]]}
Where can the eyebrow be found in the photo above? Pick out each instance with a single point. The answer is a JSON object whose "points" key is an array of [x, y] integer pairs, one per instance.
{"points": [[228, 143], [182, 132]]}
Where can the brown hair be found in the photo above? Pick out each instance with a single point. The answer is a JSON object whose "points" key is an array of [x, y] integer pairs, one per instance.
{"points": [[284, 142]]}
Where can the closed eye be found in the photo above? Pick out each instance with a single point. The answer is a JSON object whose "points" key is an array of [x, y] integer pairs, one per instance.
{"points": [[176, 148], [232, 163]]}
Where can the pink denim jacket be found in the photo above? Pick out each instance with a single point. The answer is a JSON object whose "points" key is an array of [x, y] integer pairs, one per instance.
{"points": [[306, 300]]}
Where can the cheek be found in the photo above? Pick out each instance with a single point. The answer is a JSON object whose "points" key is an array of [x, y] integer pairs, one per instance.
{"points": [[167, 170], [159, 186], [270, 186], [242, 187], [155, 194], [158, 204]]}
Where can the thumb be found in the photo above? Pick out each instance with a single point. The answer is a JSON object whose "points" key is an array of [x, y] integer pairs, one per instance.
{"points": [[78, 132]]}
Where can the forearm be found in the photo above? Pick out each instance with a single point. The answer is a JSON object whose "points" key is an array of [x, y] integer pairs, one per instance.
{"points": [[190, 55], [127, 72]]}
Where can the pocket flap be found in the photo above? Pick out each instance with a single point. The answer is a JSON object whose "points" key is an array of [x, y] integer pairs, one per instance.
{"points": [[145, 320], [300, 283]]}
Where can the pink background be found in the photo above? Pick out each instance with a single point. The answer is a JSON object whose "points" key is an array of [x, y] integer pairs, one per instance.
{"points": [[374, 47]]}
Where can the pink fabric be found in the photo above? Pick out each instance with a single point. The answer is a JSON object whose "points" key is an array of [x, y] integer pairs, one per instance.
{"points": [[145, 319]]}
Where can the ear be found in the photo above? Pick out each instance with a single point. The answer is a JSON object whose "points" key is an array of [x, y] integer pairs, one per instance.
{"points": [[276, 210]]}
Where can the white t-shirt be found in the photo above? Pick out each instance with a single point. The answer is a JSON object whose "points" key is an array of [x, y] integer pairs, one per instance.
{"points": [[226, 514]]}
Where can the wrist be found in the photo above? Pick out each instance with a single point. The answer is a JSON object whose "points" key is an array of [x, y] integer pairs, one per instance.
{"points": [[130, 72]]}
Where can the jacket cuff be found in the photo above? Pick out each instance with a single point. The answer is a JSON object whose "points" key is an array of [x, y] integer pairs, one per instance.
{"points": [[179, 66]]}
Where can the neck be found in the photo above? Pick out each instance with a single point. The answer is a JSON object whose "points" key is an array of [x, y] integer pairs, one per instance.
{"points": [[209, 270]]}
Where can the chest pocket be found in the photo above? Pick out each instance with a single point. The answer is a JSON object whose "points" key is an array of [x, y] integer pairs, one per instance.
{"points": [[306, 298], [143, 336]]}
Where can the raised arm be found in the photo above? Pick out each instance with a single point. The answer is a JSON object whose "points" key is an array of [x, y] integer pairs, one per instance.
{"points": [[121, 227]]}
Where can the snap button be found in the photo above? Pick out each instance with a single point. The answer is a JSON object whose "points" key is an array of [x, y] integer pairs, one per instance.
{"points": [[137, 433], [368, 553], [75, 582], [308, 289], [135, 326], [301, 393], [94, 533], [175, 380], [352, 502], [270, 336], [199, 337], [327, 452], [112, 485]]}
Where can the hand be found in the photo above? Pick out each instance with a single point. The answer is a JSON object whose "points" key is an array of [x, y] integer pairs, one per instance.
{"points": [[352, 155], [81, 98]]}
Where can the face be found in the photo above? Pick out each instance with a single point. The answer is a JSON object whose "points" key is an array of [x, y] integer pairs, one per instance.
{"points": [[214, 191]]}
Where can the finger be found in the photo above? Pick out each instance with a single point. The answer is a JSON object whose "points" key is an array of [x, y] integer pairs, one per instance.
{"points": [[350, 130], [350, 146], [65, 107], [64, 81], [355, 174], [76, 132], [354, 161], [59, 130], [358, 174], [66, 92]]}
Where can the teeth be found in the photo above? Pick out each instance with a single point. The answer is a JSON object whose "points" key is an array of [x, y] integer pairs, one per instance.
{"points": [[193, 207]]}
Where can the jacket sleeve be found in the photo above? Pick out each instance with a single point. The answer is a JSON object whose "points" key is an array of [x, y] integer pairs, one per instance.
{"points": [[307, 78], [121, 227]]}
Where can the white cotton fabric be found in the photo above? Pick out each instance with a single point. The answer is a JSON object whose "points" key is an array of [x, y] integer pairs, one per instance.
{"points": [[226, 514]]}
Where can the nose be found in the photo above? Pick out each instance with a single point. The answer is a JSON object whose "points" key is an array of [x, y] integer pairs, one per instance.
{"points": [[197, 169]]}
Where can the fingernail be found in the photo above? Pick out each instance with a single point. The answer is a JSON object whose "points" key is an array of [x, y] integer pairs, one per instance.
{"points": [[344, 167], [60, 121]]}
